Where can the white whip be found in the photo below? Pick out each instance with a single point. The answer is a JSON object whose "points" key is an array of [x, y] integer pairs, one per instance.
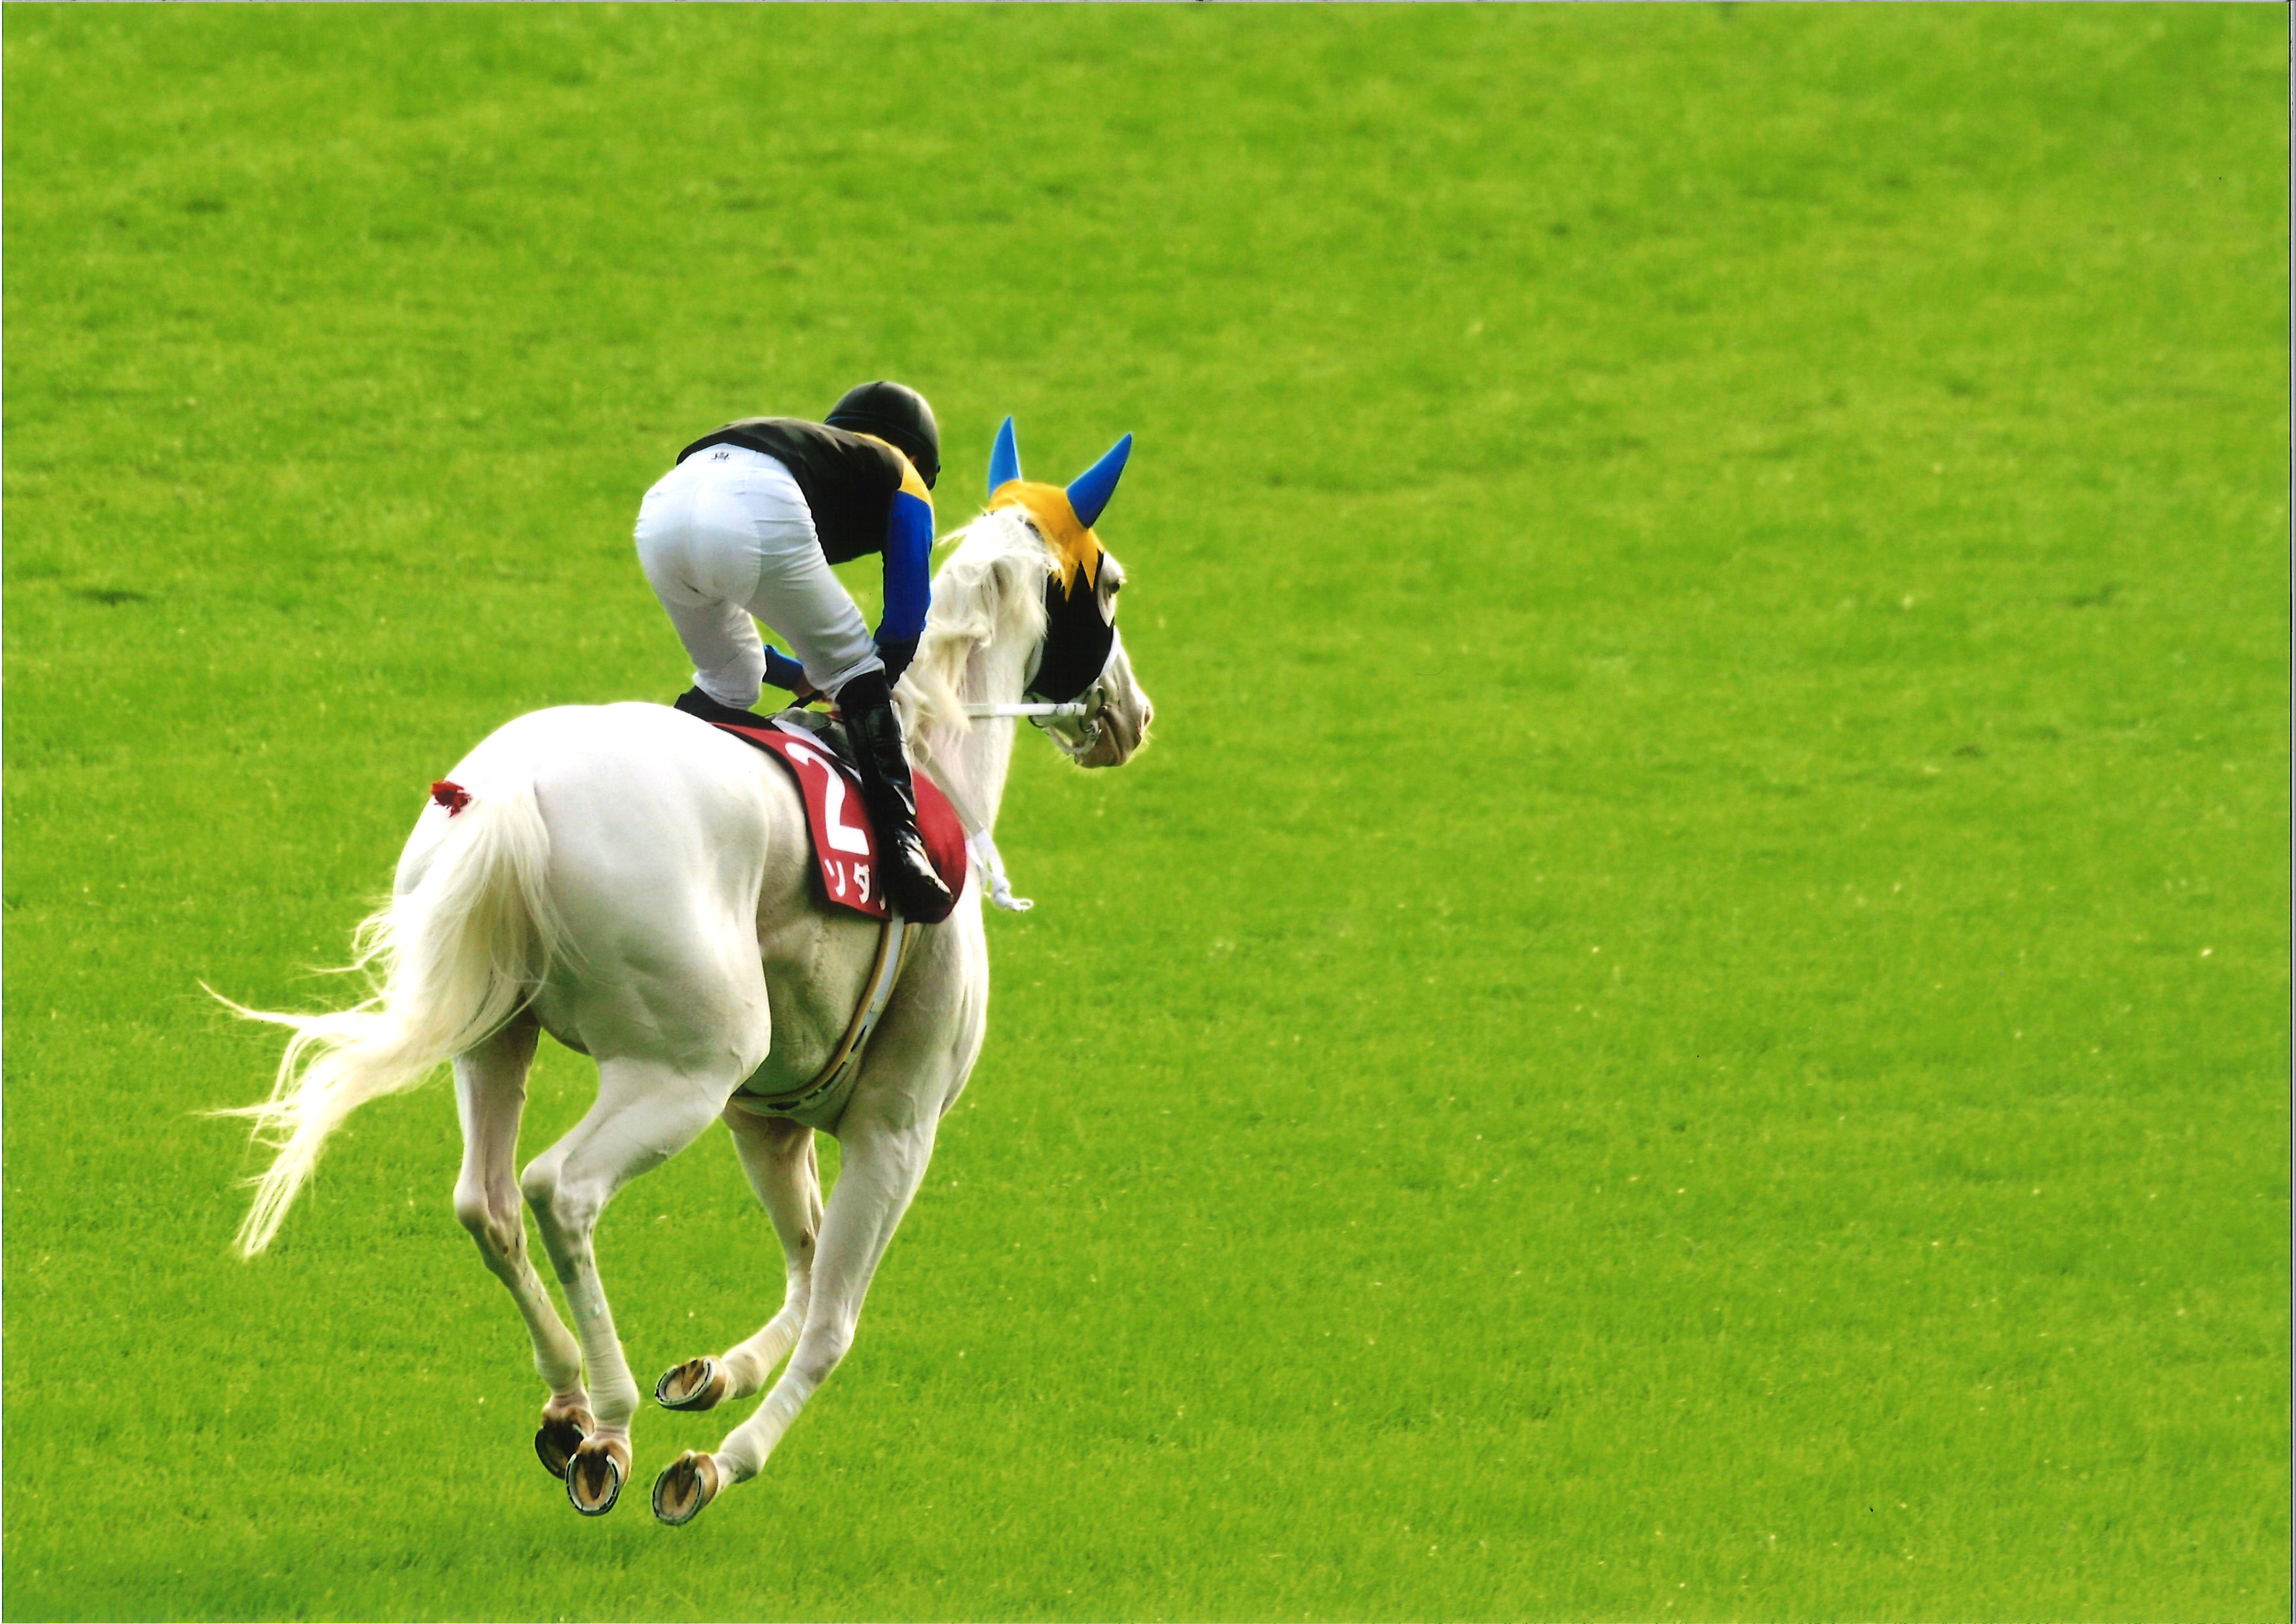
{"points": [[1076, 706]]}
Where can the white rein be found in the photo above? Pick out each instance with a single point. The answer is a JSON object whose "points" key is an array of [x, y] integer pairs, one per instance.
{"points": [[979, 845]]}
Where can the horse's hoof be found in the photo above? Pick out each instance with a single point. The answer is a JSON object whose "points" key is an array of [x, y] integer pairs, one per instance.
{"points": [[698, 1384], [561, 1435], [595, 1476], [684, 1487]]}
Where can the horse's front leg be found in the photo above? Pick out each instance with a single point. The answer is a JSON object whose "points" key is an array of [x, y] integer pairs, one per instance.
{"points": [[778, 1156], [646, 1113], [882, 1166], [490, 1094]]}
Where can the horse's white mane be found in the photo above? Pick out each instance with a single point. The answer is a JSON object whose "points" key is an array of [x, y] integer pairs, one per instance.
{"points": [[990, 592]]}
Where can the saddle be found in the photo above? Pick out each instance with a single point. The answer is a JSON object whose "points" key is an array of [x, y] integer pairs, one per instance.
{"points": [[813, 750]]}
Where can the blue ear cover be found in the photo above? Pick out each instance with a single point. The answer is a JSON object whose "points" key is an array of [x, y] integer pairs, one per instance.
{"points": [[1004, 459], [1089, 491]]}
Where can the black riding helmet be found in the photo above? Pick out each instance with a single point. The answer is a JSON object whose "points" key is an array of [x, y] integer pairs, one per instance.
{"points": [[896, 415]]}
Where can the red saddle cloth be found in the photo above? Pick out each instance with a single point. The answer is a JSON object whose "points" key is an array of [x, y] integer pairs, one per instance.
{"points": [[844, 841]]}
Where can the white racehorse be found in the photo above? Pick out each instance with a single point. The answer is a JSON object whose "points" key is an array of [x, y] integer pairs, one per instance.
{"points": [[639, 885]]}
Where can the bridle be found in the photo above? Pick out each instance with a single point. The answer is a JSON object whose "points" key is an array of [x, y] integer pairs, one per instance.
{"points": [[1047, 715]]}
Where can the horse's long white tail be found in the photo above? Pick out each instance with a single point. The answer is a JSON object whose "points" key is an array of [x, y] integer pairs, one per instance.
{"points": [[451, 960]]}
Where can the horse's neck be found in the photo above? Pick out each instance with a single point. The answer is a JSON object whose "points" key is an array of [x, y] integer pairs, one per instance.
{"points": [[975, 764]]}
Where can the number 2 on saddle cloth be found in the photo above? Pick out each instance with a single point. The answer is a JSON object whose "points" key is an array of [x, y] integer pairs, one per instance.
{"points": [[844, 844]]}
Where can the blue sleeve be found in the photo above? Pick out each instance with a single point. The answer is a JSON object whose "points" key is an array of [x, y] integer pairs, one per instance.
{"points": [[781, 672], [909, 570]]}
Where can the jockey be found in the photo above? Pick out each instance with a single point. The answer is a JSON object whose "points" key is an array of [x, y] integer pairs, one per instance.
{"points": [[748, 524]]}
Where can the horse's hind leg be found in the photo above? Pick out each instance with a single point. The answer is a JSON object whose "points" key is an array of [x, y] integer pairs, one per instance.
{"points": [[778, 1156], [646, 1113], [490, 1093]]}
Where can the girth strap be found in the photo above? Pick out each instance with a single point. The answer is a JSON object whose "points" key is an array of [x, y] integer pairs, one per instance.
{"points": [[894, 939]]}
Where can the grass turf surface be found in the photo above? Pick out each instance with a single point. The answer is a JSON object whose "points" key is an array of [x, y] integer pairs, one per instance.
{"points": [[1687, 1017]]}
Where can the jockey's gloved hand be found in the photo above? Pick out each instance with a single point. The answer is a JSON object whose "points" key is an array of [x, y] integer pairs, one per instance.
{"points": [[783, 672], [896, 656]]}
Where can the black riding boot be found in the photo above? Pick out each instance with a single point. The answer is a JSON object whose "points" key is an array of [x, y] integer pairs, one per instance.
{"points": [[693, 702], [867, 704]]}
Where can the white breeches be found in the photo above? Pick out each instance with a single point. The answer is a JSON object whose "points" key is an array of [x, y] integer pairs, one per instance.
{"points": [[727, 535]]}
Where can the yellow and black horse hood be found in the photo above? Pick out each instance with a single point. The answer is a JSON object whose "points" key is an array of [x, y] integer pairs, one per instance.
{"points": [[1079, 630]]}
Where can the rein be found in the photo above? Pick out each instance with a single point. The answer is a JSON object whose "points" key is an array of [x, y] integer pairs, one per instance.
{"points": [[978, 843], [1074, 707]]}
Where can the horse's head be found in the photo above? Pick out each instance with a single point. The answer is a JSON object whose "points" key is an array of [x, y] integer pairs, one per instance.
{"points": [[1080, 656], [1031, 602]]}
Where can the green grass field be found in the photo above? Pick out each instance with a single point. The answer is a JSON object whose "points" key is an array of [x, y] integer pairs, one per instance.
{"points": [[1688, 1018]]}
